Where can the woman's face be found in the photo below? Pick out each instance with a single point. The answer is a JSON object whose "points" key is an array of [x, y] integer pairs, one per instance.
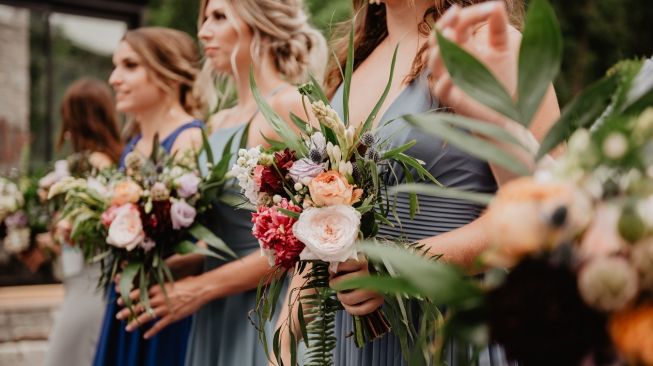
{"points": [[224, 36], [134, 88]]}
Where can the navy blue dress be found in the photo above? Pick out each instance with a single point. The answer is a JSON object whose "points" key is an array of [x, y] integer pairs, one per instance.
{"points": [[116, 346]]}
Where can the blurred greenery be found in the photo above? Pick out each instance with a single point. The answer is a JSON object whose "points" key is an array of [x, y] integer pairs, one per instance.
{"points": [[597, 33]]}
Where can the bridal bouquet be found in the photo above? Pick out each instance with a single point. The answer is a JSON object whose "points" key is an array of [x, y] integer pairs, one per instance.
{"points": [[132, 220], [316, 194]]}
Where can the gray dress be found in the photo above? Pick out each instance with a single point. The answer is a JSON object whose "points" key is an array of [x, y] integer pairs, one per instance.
{"points": [[76, 330], [222, 333], [452, 168]]}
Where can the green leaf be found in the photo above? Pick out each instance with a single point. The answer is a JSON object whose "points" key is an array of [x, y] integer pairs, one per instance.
{"points": [[390, 153], [540, 56], [470, 144], [127, 281], [202, 233], [206, 145], [368, 122], [472, 125], [317, 90], [300, 123], [444, 192], [349, 70], [186, 247], [302, 323], [280, 126], [289, 213], [155, 148], [245, 135], [475, 79], [582, 111], [640, 94], [421, 171], [379, 283]]}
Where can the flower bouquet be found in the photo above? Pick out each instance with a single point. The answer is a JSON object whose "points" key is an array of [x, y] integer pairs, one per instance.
{"points": [[316, 194], [132, 220], [576, 234]]}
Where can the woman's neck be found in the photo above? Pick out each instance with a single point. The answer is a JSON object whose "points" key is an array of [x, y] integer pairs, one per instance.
{"points": [[163, 118], [267, 79], [402, 20]]}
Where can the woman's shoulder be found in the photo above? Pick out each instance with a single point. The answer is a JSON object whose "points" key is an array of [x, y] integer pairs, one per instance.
{"points": [[189, 138], [287, 100]]}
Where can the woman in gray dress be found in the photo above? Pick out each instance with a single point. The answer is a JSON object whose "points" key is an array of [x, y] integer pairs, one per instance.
{"points": [[90, 123], [274, 39], [447, 227]]}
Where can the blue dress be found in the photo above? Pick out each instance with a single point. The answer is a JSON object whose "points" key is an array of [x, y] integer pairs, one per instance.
{"points": [[222, 334], [116, 346], [451, 167]]}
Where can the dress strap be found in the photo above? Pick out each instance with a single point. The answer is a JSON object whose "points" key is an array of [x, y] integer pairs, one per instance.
{"points": [[170, 139]]}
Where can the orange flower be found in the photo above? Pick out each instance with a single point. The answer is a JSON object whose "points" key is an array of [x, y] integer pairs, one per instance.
{"points": [[632, 333], [126, 192], [331, 188]]}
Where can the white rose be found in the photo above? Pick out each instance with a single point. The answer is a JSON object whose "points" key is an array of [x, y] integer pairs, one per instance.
{"points": [[329, 233], [17, 240], [126, 230]]}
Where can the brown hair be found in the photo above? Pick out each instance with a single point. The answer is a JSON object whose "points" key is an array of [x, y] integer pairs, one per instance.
{"points": [[172, 58], [89, 116], [280, 28], [370, 29]]}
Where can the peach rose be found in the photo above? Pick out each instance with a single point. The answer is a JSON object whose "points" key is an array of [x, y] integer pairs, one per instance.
{"points": [[631, 331], [331, 188], [126, 192]]}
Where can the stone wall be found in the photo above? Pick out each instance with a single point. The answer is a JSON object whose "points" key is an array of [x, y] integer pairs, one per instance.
{"points": [[14, 84]]}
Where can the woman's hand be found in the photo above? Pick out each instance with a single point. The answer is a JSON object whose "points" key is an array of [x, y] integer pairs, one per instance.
{"points": [[356, 302], [482, 30], [184, 298]]}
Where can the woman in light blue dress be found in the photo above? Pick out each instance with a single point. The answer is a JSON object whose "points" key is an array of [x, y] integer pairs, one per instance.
{"points": [[445, 226], [273, 38]]}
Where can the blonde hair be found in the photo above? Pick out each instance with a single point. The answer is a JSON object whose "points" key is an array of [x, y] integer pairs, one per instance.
{"points": [[172, 59], [370, 29], [281, 30]]}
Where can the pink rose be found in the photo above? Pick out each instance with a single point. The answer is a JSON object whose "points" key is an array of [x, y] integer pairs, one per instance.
{"points": [[331, 188], [109, 215], [258, 175], [182, 214], [187, 185], [126, 230]]}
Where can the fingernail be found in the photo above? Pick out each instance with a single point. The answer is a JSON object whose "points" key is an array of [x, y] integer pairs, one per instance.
{"points": [[488, 6], [147, 336], [118, 316], [128, 328]]}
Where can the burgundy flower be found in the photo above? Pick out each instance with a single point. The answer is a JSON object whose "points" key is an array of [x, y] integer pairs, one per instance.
{"points": [[270, 181], [157, 224], [284, 160]]}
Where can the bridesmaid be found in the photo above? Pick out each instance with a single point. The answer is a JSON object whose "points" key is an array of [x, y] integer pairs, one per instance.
{"points": [[274, 38], [445, 226], [154, 77], [90, 124]]}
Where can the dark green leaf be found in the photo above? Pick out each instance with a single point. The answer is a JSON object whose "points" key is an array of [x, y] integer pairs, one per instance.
{"points": [[127, 281], [349, 69], [390, 153], [475, 79], [186, 247], [206, 145], [289, 213], [202, 233], [582, 111], [540, 56], [432, 190]]}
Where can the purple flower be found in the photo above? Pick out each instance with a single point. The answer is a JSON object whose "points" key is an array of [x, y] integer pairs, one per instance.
{"points": [[304, 168], [147, 244], [187, 185], [182, 214], [18, 219]]}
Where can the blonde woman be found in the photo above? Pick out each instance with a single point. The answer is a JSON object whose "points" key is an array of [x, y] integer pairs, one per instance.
{"points": [[274, 39], [154, 78]]}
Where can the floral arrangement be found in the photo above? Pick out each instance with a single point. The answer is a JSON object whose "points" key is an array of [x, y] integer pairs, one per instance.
{"points": [[317, 194], [575, 233], [132, 220]]}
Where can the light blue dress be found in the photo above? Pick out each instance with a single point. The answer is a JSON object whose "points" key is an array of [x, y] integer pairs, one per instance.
{"points": [[222, 333], [452, 168]]}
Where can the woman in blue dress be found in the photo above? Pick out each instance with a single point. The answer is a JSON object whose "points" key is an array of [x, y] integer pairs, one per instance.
{"points": [[273, 38], [154, 76], [447, 227]]}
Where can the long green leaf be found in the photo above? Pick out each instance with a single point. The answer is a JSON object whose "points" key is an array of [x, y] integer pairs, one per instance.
{"points": [[349, 70], [641, 89], [206, 145], [317, 90], [390, 153], [379, 283], [444, 192], [475, 79], [540, 56], [370, 119], [280, 126], [186, 247], [582, 111], [127, 281], [202, 233], [472, 145]]}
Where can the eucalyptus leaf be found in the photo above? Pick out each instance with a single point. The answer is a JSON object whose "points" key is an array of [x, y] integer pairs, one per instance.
{"points": [[540, 57], [475, 79]]}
